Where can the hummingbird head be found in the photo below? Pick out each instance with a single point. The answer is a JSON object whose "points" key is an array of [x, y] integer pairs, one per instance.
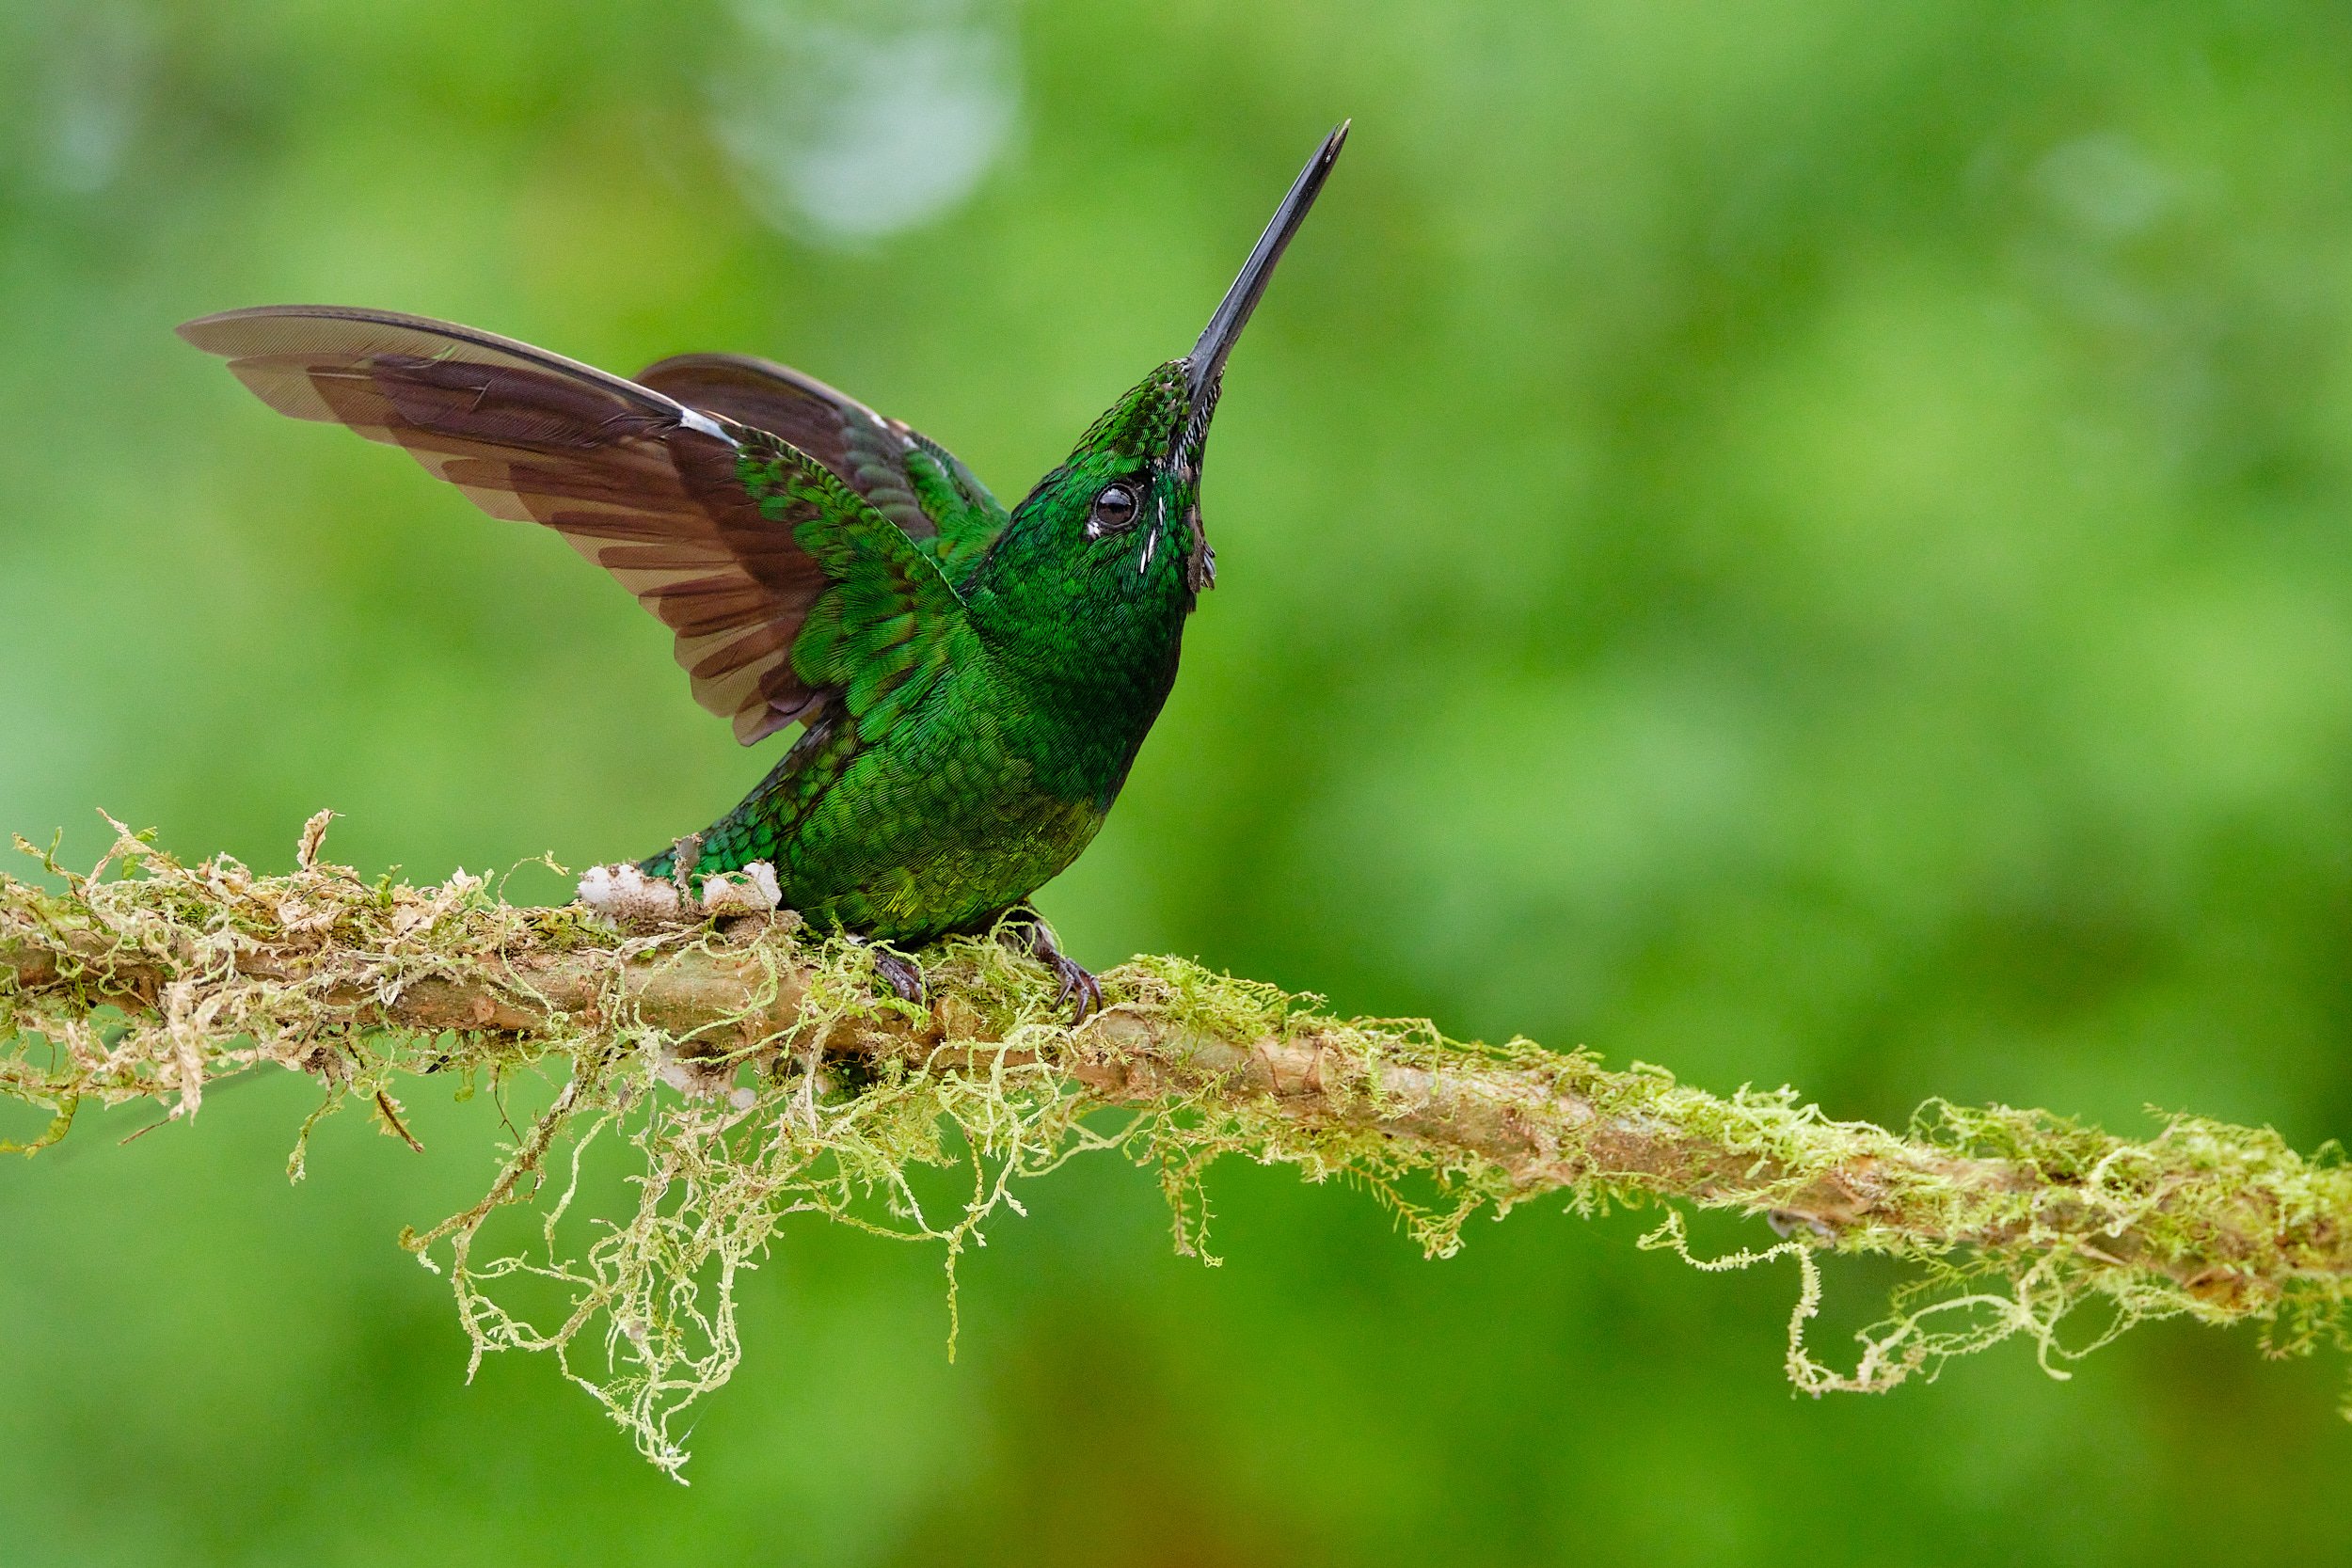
{"points": [[1123, 513]]}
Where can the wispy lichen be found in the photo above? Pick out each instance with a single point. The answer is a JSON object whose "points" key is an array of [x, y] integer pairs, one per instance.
{"points": [[748, 1071]]}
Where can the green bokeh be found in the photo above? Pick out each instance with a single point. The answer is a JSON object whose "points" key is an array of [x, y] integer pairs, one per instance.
{"points": [[1804, 543]]}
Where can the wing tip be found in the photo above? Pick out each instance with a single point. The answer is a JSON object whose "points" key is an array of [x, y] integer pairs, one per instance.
{"points": [[205, 332], [217, 333]]}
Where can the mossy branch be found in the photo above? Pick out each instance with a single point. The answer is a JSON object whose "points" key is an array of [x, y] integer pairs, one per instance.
{"points": [[753, 1072]]}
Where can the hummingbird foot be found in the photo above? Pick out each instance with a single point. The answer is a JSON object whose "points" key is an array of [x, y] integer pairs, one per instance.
{"points": [[898, 972], [1024, 931]]}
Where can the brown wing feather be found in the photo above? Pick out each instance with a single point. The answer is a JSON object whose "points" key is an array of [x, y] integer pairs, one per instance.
{"points": [[620, 471], [866, 449]]}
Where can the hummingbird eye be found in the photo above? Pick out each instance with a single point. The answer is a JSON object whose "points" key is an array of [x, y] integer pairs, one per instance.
{"points": [[1115, 509]]}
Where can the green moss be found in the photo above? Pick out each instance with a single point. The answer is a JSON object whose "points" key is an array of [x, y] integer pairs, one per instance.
{"points": [[148, 979]]}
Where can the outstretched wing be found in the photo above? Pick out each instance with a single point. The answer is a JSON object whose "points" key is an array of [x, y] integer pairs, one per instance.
{"points": [[910, 477], [738, 541]]}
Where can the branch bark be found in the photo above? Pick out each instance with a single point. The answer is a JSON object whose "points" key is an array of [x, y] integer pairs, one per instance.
{"points": [[2014, 1216]]}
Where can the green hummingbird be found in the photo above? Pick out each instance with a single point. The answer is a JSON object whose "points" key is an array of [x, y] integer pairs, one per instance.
{"points": [[972, 685]]}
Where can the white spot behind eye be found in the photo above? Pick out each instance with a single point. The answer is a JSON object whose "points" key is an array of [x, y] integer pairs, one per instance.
{"points": [[703, 424], [1151, 536]]}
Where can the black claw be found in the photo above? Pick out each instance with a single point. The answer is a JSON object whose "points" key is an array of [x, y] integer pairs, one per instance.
{"points": [[1026, 931], [1072, 978], [901, 975]]}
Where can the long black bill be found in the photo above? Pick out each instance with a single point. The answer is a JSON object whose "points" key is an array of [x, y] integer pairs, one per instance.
{"points": [[1207, 360]]}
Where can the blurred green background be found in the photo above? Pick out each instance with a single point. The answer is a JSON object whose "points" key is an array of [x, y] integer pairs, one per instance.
{"points": [[1805, 543]]}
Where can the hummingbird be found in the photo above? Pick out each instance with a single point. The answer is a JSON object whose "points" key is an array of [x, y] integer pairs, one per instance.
{"points": [[972, 685]]}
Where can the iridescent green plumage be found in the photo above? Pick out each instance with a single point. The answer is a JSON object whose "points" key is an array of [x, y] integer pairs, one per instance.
{"points": [[982, 729], [973, 684]]}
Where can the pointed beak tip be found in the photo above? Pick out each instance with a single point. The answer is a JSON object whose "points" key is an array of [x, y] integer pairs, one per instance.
{"points": [[1207, 359]]}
